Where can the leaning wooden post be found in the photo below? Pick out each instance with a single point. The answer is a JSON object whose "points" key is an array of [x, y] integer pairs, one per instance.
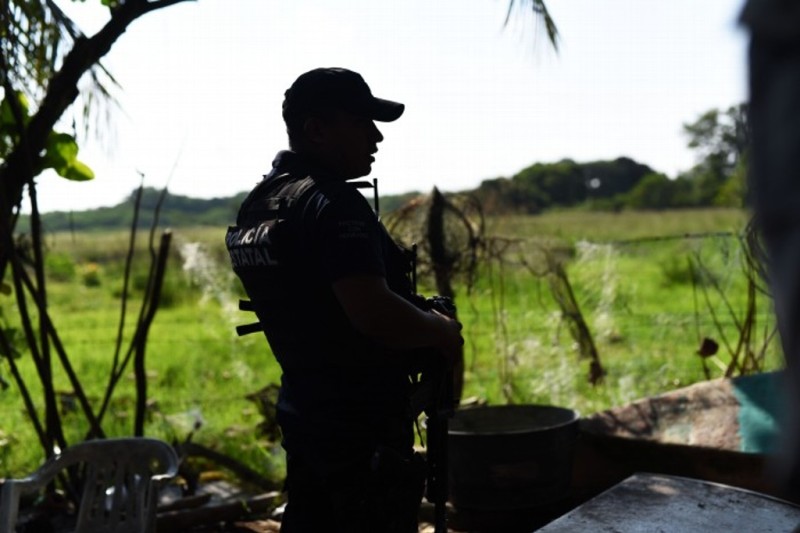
{"points": [[142, 330], [443, 264]]}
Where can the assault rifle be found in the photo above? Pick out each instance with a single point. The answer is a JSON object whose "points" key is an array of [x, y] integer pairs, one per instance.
{"points": [[434, 394]]}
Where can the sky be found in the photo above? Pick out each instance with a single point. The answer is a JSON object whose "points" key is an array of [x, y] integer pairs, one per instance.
{"points": [[201, 86]]}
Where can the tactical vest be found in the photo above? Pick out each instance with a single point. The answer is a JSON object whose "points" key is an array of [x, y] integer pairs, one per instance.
{"points": [[328, 367], [250, 242], [266, 253]]}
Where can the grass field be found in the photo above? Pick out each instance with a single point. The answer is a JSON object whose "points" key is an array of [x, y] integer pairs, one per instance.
{"points": [[635, 292]]}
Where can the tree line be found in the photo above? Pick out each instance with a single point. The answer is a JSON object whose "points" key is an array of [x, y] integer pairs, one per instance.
{"points": [[718, 138], [175, 211]]}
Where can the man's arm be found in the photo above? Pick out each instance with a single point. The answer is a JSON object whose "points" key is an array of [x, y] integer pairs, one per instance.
{"points": [[377, 312]]}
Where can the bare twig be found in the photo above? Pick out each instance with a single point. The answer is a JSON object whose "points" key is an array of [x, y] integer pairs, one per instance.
{"points": [[30, 408]]}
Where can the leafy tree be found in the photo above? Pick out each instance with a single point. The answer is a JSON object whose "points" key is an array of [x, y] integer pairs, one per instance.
{"points": [[562, 184], [732, 192], [720, 140], [607, 179], [657, 191], [721, 137]]}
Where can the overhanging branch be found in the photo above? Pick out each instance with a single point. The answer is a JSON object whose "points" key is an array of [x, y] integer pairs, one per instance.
{"points": [[62, 91]]}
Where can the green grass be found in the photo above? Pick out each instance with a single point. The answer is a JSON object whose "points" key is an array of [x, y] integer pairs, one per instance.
{"points": [[604, 227], [636, 296]]}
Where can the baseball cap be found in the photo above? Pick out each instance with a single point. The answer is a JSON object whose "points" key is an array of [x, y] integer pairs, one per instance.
{"points": [[337, 88]]}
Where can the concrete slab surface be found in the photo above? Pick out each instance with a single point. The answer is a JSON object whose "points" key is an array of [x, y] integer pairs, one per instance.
{"points": [[655, 503]]}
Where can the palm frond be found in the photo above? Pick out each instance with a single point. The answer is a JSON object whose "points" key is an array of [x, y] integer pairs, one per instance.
{"points": [[35, 36], [32, 35], [541, 15]]}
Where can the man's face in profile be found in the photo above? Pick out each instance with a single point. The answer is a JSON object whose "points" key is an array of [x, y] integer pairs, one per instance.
{"points": [[349, 142]]}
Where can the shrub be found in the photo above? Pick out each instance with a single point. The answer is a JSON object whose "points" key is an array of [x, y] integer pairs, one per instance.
{"points": [[60, 267], [679, 270], [91, 274]]}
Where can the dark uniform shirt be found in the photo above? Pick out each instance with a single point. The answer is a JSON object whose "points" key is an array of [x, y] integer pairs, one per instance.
{"points": [[300, 230]]}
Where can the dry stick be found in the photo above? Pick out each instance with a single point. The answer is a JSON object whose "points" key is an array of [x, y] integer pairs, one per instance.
{"points": [[717, 323], [759, 355], [768, 336], [244, 472], [754, 255], [155, 279], [564, 296], [580, 329], [65, 363], [740, 343], [756, 362], [17, 272], [745, 333], [721, 293], [750, 322], [692, 274], [52, 417], [227, 511], [116, 367], [753, 324], [125, 285], [23, 388], [148, 295], [744, 327], [142, 331]]}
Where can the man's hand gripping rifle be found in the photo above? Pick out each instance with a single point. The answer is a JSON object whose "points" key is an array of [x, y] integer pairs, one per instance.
{"points": [[433, 395]]}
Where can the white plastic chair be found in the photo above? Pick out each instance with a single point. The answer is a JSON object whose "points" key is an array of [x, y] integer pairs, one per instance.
{"points": [[121, 480]]}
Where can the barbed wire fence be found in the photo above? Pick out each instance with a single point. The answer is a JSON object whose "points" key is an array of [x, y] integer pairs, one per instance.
{"points": [[521, 331]]}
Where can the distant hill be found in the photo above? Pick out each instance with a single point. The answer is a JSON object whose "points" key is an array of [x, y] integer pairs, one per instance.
{"points": [[176, 211], [597, 184]]}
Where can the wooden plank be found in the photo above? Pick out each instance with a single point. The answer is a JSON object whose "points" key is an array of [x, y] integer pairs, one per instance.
{"points": [[224, 512]]}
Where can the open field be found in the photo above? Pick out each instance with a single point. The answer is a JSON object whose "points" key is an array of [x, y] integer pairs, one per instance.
{"points": [[636, 293]]}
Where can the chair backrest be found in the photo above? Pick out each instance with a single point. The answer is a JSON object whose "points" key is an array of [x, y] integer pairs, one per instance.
{"points": [[120, 477]]}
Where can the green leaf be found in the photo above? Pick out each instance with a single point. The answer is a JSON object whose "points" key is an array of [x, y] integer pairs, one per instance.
{"points": [[5, 288], [60, 151], [61, 154], [7, 120], [78, 172]]}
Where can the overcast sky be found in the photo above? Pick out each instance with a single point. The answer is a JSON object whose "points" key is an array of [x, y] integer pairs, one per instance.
{"points": [[202, 85]]}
